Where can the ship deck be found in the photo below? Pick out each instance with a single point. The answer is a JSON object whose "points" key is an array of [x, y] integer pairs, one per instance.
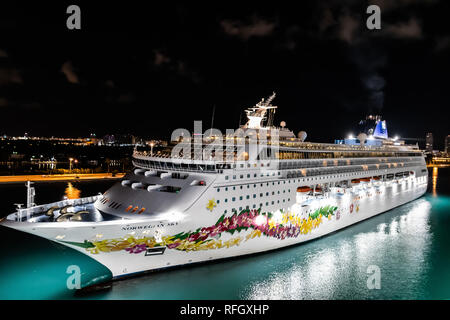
{"points": [[79, 210]]}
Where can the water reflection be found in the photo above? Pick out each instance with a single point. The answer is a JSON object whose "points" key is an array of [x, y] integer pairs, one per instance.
{"points": [[338, 262], [435, 177], [71, 192]]}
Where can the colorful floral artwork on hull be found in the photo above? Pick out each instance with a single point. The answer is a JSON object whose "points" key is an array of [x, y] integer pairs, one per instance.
{"points": [[287, 225]]}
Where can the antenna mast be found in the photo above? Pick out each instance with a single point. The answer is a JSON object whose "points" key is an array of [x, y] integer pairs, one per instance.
{"points": [[212, 119]]}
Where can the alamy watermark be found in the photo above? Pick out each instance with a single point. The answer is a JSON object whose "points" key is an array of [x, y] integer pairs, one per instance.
{"points": [[243, 144], [374, 20], [374, 279], [74, 280], [74, 20]]}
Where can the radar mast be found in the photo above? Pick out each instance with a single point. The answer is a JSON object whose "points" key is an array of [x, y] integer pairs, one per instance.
{"points": [[257, 114]]}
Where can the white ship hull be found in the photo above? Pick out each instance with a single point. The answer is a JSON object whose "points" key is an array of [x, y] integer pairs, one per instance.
{"points": [[124, 260], [232, 195]]}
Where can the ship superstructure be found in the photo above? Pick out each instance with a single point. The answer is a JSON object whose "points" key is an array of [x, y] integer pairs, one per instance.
{"points": [[209, 197]]}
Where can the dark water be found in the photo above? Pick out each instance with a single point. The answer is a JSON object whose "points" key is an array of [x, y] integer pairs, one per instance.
{"points": [[410, 245]]}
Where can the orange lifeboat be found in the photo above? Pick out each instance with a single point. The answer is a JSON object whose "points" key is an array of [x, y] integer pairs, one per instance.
{"points": [[365, 179], [377, 178], [355, 180], [303, 189], [318, 189]]}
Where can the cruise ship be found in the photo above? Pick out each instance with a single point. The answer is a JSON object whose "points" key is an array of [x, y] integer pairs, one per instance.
{"points": [[212, 196]]}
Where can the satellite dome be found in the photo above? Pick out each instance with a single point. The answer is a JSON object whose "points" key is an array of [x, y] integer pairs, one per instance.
{"points": [[302, 135], [362, 137]]}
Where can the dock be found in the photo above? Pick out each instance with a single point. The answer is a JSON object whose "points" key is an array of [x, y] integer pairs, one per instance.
{"points": [[60, 177]]}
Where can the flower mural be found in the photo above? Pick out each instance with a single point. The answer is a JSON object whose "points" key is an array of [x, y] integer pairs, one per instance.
{"points": [[284, 225], [211, 204]]}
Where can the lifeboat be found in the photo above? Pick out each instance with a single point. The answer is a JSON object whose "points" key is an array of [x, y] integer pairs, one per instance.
{"points": [[377, 178], [318, 189], [364, 179], [303, 189], [356, 181]]}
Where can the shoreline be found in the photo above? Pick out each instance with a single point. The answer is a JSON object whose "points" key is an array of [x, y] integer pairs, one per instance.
{"points": [[59, 177]]}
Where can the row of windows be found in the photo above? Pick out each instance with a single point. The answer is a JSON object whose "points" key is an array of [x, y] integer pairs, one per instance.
{"points": [[336, 163], [344, 175], [327, 170], [241, 176], [336, 155], [254, 185], [260, 205], [254, 196], [282, 165]]}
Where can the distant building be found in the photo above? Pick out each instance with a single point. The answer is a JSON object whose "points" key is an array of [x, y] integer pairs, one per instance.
{"points": [[429, 143], [119, 140], [447, 144]]}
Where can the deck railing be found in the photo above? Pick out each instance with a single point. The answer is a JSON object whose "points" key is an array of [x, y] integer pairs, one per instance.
{"points": [[31, 212]]}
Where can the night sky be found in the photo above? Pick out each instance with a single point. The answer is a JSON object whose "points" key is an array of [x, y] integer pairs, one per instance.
{"points": [[146, 70]]}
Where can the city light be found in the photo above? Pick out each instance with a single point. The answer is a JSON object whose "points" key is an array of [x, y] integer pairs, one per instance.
{"points": [[350, 136]]}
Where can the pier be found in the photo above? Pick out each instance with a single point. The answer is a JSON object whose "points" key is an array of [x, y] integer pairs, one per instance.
{"points": [[59, 177]]}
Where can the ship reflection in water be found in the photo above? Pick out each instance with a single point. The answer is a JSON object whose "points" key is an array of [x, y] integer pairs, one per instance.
{"points": [[327, 269], [71, 192]]}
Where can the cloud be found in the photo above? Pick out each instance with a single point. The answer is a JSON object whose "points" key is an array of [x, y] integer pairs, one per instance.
{"points": [[175, 66], [257, 28], [68, 70], [409, 30], [109, 83], [126, 98], [161, 58], [327, 20], [374, 82], [386, 5], [3, 102], [442, 43], [10, 76], [348, 25]]}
